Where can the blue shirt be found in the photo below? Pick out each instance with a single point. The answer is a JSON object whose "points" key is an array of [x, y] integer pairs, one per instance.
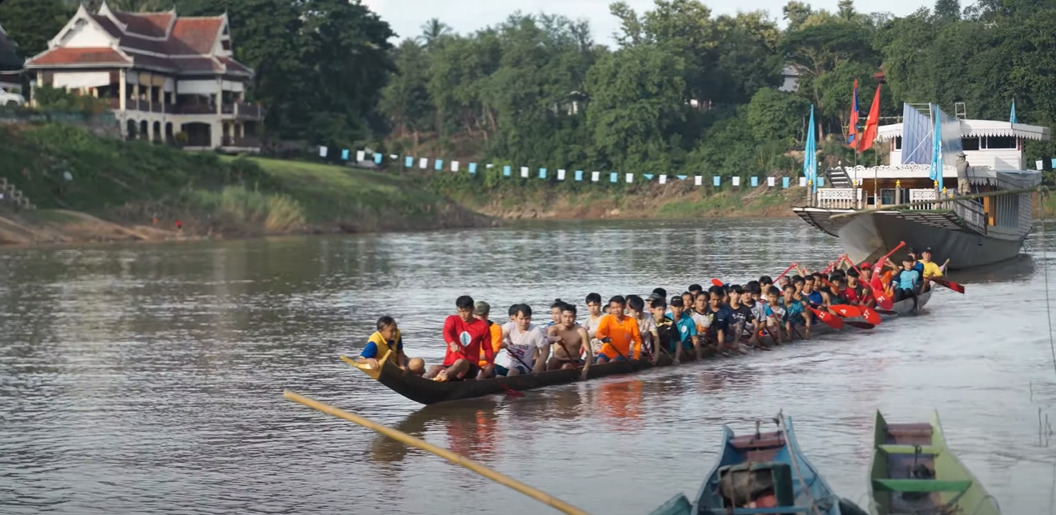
{"points": [[907, 279], [687, 328], [815, 298]]}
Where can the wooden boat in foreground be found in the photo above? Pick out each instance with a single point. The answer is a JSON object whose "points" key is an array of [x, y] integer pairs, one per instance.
{"points": [[913, 472], [425, 391], [764, 472]]}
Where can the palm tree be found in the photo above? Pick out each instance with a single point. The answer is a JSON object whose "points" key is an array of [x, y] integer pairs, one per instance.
{"points": [[432, 31]]}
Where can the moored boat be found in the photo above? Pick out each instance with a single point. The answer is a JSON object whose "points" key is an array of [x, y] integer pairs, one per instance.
{"points": [[914, 472], [763, 472], [425, 391], [872, 209]]}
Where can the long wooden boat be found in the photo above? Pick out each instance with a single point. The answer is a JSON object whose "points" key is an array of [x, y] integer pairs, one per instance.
{"points": [[913, 472], [763, 472], [424, 391]]}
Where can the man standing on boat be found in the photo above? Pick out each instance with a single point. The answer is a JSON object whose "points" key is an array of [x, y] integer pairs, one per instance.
{"points": [[962, 174], [464, 335]]}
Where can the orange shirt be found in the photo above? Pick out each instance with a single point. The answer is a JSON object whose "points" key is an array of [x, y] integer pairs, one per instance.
{"points": [[496, 341], [622, 333]]}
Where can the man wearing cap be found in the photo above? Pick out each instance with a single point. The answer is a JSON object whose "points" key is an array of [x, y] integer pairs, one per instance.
{"points": [[962, 174]]}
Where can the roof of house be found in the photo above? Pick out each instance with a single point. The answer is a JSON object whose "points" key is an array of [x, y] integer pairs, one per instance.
{"points": [[975, 128], [159, 41], [82, 56]]}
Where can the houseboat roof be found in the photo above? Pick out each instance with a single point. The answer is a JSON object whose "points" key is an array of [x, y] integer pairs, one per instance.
{"points": [[970, 128]]}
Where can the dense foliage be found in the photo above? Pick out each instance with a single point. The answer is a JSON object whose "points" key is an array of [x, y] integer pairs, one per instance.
{"points": [[681, 91]]}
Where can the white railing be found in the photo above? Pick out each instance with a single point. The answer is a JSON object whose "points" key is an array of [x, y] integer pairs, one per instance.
{"points": [[917, 195], [836, 198]]}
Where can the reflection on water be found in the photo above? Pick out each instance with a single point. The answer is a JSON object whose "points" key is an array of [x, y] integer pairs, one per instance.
{"points": [[148, 378]]}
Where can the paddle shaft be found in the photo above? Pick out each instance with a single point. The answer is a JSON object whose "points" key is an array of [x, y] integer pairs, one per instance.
{"points": [[448, 455], [519, 360], [879, 265], [787, 270]]}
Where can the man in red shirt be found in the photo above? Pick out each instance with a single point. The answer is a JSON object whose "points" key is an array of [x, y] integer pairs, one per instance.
{"points": [[464, 336]]}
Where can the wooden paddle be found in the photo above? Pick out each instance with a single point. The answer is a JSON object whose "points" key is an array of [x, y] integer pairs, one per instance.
{"points": [[879, 265], [957, 287], [717, 282], [829, 319], [870, 315], [847, 310], [787, 270], [609, 341], [446, 454], [859, 324]]}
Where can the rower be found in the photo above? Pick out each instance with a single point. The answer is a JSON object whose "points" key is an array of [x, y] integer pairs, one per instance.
{"points": [[618, 331], [694, 290], [686, 329], [570, 342], [720, 316], [931, 268], [593, 319], [482, 311], [743, 319], [774, 313], [524, 343], [385, 340], [646, 325], [555, 312], [464, 334], [698, 311], [667, 332], [906, 282], [812, 296], [795, 309], [917, 265]]}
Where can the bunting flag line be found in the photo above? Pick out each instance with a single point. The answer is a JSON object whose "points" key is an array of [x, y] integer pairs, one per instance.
{"points": [[454, 166], [663, 179], [699, 180], [524, 172], [344, 154], [770, 181], [648, 176], [506, 171], [473, 168], [595, 176], [715, 181], [439, 165], [361, 156], [737, 180], [612, 176], [377, 159], [560, 174], [579, 175], [408, 162], [322, 151], [542, 173], [423, 163], [681, 177], [630, 178]]}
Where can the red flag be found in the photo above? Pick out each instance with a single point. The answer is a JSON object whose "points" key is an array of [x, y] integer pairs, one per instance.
{"points": [[852, 127], [869, 134]]}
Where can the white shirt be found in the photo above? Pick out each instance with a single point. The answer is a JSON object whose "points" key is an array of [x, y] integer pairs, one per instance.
{"points": [[523, 345]]}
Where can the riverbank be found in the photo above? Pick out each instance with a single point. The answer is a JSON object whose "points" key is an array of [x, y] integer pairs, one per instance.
{"points": [[87, 188]]}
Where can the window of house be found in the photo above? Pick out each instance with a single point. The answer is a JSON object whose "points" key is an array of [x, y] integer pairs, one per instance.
{"points": [[970, 143], [898, 142], [1000, 142], [887, 196], [226, 44]]}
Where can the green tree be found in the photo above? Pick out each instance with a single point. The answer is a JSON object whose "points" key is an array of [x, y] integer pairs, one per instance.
{"points": [[406, 99], [636, 98], [777, 116], [796, 13], [32, 23]]}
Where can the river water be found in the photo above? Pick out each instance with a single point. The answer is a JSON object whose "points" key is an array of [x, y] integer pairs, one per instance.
{"points": [[149, 378]]}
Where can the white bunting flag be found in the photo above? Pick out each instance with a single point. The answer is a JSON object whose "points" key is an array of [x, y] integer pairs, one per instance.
{"points": [[736, 180], [698, 180], [360, 155], [423, 163], [524, 172], [454, 166], [663, 179], [490, 166], [1040, 165], [322, 151], [560, 174], [594, 176], [770, 181], [393, 156], [802, 181], [630, 178]]}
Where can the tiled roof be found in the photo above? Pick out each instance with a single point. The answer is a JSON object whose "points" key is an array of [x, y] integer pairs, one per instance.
{"points": [[143, 24], [197, 34], [61, 56], [234, 66]]}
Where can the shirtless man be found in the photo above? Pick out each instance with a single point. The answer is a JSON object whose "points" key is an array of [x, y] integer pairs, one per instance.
{"points": [[570, 341]]}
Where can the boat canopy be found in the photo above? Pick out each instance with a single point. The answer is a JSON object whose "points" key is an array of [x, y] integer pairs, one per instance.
{"points": [[977, 128]]}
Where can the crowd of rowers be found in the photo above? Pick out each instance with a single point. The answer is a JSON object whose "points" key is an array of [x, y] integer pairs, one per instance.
{"points": [[722, 319]]}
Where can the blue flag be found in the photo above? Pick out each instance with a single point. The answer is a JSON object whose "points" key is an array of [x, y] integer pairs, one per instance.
{"points": [[936, 150], [810, 159], [1012, 114]]}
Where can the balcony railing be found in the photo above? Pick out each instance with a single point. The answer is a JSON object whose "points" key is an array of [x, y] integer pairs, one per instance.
{"points": [[921, 194], [243, 142], [836, 198], [240, 110], [972, 213], [249, 111]]}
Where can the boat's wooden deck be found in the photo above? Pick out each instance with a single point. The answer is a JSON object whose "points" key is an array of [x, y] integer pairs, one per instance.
{"points": [[901, 445], [759, 448]]}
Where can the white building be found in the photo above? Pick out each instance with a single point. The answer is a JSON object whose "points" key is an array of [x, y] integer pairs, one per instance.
{"points": [[162, 75]]}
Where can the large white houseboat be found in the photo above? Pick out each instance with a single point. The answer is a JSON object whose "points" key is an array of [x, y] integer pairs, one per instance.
{"points": [[913, 199]]}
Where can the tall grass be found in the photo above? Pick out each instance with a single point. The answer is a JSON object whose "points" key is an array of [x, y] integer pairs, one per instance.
{"points": [[239, 205]]}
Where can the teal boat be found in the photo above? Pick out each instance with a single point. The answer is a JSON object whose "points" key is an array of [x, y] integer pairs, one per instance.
{"points": [[762, 473], [913, 472]]}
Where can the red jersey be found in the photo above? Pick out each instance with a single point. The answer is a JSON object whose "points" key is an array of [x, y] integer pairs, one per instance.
{"points": [[469, 336]]}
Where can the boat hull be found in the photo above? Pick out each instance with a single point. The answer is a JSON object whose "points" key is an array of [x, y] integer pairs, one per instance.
{"points": [[869, 236], [425, 391], [898, 483]]}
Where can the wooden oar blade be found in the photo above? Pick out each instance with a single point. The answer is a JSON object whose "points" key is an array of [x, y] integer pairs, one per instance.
{"points": [[884, 301], [717, 282], [847, 310], [829, 319], [510, 392], [871, 316], [957, 287]]}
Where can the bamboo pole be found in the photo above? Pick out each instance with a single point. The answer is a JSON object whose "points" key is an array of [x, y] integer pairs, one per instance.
{"points": [[937, 201], [453, 457]]}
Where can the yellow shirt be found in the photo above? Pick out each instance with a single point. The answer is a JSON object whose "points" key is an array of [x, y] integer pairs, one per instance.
{"points": [[931, 269], [496, 341]]}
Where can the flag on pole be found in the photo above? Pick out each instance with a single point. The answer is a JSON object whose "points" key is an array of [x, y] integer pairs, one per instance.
{"points": [[810, 163], [852, 127], [871, 123], [936, 150], [1012, 114]]}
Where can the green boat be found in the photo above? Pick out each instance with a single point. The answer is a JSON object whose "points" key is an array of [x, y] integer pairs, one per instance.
{"points": [[914, 473]]}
